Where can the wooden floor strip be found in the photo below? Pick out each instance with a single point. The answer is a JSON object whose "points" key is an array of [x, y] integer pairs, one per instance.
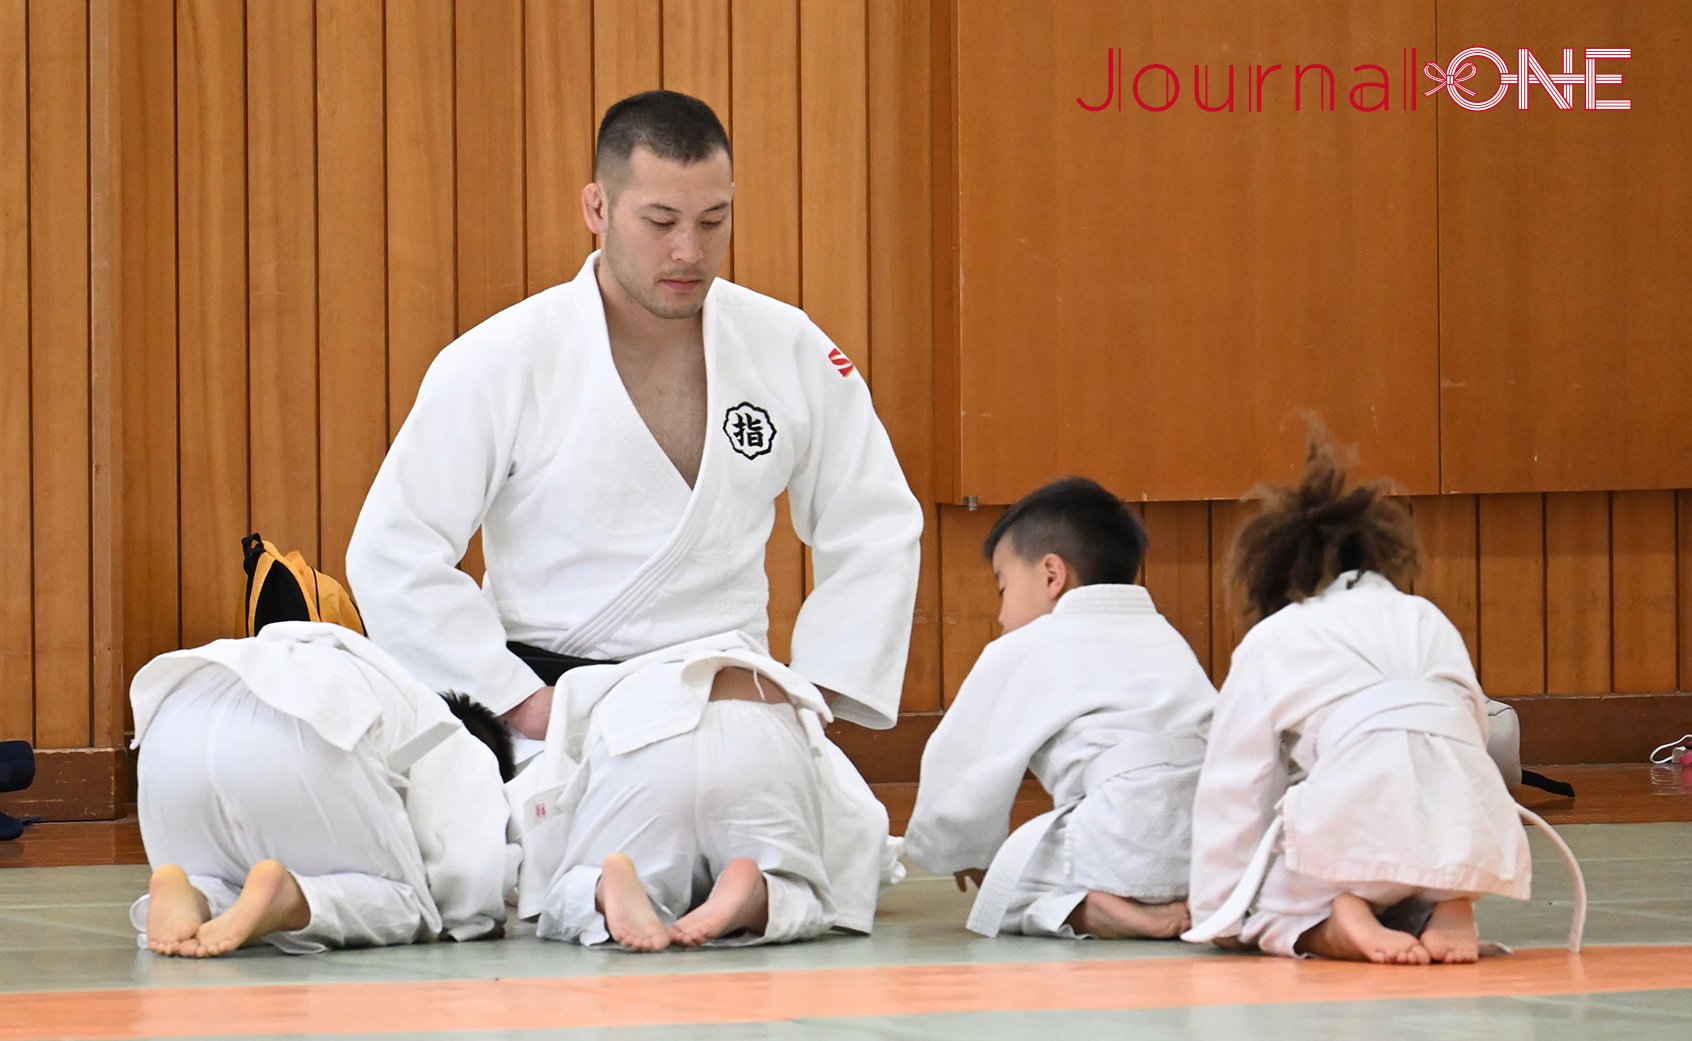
{"points": [[894, 990]]}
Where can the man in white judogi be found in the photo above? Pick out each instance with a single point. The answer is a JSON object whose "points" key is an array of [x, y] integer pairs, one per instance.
{"points": [[621, 441], [300, 788], [1092, 689]]}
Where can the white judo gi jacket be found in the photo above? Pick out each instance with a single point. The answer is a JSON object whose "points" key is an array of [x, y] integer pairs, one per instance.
{"points": [[1102, 689], [348, 690], [595, 545], [662, 695], [1364, 696]]}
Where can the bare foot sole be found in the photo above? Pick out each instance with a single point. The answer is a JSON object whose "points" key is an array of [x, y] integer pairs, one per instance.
{"points": [[175, 912], [629, 916], [270, 902], [1111, 917], [1450, 936], [1352, 933], [739, 900]]}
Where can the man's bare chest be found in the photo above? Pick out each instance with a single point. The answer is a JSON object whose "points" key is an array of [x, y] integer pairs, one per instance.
{"points": [[669, 394]]}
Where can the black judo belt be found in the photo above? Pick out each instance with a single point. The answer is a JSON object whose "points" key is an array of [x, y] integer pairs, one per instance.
{"points": [[549, 665]]}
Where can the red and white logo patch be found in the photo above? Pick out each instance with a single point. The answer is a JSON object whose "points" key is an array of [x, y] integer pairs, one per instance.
{"points": [[841, 362]]}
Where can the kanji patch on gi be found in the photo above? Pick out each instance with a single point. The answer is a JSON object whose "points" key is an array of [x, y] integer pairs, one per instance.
{"points": [[749, 430]]}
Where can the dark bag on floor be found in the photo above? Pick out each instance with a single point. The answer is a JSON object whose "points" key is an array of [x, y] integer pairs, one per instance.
{"points": [[17, 772]]}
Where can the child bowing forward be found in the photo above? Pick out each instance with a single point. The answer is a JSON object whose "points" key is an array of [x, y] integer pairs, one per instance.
{"points": [[1097, 694], [1369, 692]]}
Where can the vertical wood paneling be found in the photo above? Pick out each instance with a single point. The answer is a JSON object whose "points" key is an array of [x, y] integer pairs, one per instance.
{"points": [[696, 52], [560, 126], [1177, 570], [901, 293], [1577, 593], [627, 50], [422, 240], [1227, 621], [212, 313], [352, 330], [59, 373], [1642, 562], [765, 132], [834, 174], [1683, 568], [969, 599], [490, 158], [106, 517], [1447, 525], [282, 272], [17, 568], [1511, 540], [143, 268]]}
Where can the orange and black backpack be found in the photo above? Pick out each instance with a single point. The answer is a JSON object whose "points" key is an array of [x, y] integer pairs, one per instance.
{"points": [[287, 589]]}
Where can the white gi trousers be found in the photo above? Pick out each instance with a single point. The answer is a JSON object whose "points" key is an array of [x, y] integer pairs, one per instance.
{"points": [[1131, 836], [740, 784], [226, 781]]}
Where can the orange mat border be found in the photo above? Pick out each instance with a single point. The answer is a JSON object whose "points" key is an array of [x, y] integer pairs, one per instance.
{"points": [[893, 990]]}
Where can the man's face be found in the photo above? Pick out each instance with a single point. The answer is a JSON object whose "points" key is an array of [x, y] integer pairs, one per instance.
{"points": [[666, 229]]}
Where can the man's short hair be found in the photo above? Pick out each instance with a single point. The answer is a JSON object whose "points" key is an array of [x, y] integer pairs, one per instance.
{"points": [[674, 126], [485, 727], [1100, 539]]}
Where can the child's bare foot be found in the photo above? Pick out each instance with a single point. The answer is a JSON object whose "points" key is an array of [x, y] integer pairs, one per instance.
{"points": [[1111, 917], [175, 912], [270, 902], [739, 900], [1353, 933], [1450, 936], [629, 916]]}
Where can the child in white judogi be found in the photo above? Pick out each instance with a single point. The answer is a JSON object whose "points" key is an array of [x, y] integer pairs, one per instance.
{"points": [[1092, 689], [1368, 693], [298, 787], [673, 805]]}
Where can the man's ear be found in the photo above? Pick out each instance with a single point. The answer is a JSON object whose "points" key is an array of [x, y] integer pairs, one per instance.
{"points": [[596, 208]]}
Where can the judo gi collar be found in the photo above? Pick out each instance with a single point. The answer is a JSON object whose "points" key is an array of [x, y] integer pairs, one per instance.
{"points": [[1357, 580], [1105, 598]]}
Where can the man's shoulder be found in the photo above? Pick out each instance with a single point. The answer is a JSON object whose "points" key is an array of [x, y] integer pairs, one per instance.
{"points": [[742, 305], [516, 338]]}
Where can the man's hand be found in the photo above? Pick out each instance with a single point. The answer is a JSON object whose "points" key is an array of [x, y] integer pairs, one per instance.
{"points": [[966, 876], [531, 716]]}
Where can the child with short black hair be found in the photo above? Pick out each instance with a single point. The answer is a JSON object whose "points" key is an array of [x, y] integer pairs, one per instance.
{"points": [[1369, 691], [1097, 694]]}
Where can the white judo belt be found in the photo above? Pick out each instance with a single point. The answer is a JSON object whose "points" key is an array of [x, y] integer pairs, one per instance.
{"points": [[1395, 705], [1009, 865]]}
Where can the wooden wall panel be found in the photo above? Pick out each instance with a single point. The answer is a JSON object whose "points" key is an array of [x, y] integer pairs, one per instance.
{"points": [[1177, 570], [17, 507], [1449, 530], [834, 174], [969, 596], [59, 372], [900, 292], [422, 229], [1232, 306], [352, 287], [764, 47], [696, 52], [1511, 540], [1554, 290], [489, 59], [1577, 593], [142, 114], [558, 144], [627, 50], [282, 273], [1642, 592], [212, 417], [1227, 619]]}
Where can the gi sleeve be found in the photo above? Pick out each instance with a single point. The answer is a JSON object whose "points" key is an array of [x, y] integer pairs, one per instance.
{"points": [[431, 494], [1243, 778], [974, 763], [851, 505], [460, 815]]}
